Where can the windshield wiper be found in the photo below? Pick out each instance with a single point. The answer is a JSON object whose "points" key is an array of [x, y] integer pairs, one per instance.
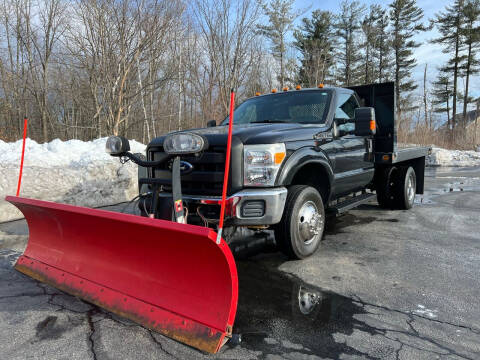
{"points": [[268, 121]]}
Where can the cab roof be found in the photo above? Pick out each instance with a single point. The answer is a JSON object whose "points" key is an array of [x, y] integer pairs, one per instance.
{"points": [[279, 92]]}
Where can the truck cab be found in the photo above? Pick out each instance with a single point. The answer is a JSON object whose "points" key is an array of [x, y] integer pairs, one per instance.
{"points": [[295, 156]]}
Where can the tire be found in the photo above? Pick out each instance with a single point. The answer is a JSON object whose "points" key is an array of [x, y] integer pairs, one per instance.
{"points": [[299, 232], [404, 188]]}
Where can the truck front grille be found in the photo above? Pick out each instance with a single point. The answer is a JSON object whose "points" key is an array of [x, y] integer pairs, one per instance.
{"points": [[206, 177]]}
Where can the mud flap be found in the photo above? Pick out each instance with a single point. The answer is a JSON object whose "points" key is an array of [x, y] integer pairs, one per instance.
{"points": [[169, 277]]}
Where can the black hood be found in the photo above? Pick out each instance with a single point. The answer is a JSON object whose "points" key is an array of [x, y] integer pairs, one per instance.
{"points": [[255, 133]]}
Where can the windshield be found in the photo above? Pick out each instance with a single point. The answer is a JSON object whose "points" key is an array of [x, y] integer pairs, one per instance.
{"points": [[301, 107]]}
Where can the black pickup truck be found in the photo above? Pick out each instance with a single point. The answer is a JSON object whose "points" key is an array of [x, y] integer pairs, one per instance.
{"points": [[296, 155]]}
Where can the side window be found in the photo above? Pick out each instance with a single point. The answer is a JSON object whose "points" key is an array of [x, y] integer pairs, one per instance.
{"points": [[346, 105]]}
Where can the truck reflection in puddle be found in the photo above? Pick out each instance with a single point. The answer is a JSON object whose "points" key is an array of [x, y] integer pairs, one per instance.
{"points": [[280, 312]]}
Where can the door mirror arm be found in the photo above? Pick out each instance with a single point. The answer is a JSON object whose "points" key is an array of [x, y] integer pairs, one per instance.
{"points": [[340, 121]]}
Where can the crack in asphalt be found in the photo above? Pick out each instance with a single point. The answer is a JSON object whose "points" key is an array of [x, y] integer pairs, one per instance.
{"points": [[412, 333], [91, 325], [364, 303], [160, 345], [397, 352]]}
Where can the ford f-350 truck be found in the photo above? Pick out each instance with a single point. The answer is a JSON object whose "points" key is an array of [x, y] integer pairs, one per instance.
{"points": [[296, 155]]}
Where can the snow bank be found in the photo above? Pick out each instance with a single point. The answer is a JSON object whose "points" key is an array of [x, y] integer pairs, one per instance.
{"points": [[73, 172], [443, 157], [81, 173]]}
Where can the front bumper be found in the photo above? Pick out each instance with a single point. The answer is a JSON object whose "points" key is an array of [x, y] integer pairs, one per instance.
{"points": [[249, 207]]}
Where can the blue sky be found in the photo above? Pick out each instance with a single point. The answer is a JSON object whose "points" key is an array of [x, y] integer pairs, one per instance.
{"points": [[427, 53]]}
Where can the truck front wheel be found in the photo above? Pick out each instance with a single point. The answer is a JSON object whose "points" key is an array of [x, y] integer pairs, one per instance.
{"points": [[299, 233]]}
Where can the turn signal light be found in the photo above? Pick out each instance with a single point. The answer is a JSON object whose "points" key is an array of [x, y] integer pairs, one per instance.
{"points": [[372, 125], [386, 157], [278, 157]]}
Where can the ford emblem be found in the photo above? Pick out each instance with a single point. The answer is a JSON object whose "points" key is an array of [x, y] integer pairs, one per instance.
{"points": [[185, 167]]}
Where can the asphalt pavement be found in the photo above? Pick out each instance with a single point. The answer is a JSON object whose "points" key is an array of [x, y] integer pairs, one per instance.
{"points": [[383, 285]]}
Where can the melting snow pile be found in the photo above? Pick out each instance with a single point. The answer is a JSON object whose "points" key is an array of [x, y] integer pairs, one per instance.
{"points": [[81, 173], [443, 157], [73, 172]]}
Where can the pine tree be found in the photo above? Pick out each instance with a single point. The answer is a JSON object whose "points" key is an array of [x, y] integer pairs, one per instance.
{"points": [[442, 92], [370, 34], [471, 37], [281, 17], [405, 19], [382, 51], [449, 24], [347, 23], [315, 41]]}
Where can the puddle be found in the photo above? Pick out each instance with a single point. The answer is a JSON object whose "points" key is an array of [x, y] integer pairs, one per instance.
{"points": [[277, 312], [280, 313], [467, 185]]}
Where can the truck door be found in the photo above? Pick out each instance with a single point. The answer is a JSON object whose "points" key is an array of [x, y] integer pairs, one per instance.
{"points": [[352, 171]]}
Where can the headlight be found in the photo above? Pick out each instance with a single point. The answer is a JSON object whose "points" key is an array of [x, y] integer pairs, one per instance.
{"points": [[261, 163], [117, 145], [184, 143]]}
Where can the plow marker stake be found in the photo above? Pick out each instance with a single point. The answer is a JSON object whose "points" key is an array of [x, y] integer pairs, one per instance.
{"points": [[169, 277], [25, 123]]}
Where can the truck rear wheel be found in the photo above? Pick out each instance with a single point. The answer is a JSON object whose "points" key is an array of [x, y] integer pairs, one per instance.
{"points": [[299, 233], [405, 188]]}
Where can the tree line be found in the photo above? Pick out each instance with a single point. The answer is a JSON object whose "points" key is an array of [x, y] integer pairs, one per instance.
{"points": [[90, 68]]}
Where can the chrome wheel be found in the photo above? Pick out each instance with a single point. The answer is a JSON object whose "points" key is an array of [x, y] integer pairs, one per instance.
{"points": [[411, 189], [310, 222], [307, 300]]}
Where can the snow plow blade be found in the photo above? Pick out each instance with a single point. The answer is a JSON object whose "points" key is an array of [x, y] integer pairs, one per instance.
{"points": [[169, 277]]}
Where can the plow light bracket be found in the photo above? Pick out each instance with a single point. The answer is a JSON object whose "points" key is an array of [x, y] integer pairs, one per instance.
{"points": [[184, 143], [117, 145]]}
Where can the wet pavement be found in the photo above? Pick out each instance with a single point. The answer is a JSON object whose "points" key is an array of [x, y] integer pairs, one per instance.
{"points": [[383, 285]]}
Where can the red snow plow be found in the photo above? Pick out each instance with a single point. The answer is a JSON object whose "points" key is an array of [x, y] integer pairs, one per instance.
{"points": [[169, 276], [172, 278]]}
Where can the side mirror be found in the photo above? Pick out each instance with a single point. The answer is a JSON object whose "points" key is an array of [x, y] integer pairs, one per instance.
{"points": [[211, 123], [365, 124]]}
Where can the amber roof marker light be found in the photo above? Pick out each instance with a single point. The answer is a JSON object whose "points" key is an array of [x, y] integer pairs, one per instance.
{"points": [[298, 87], [320, 86], [285, 88], [274, 91], [257, 94]]}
